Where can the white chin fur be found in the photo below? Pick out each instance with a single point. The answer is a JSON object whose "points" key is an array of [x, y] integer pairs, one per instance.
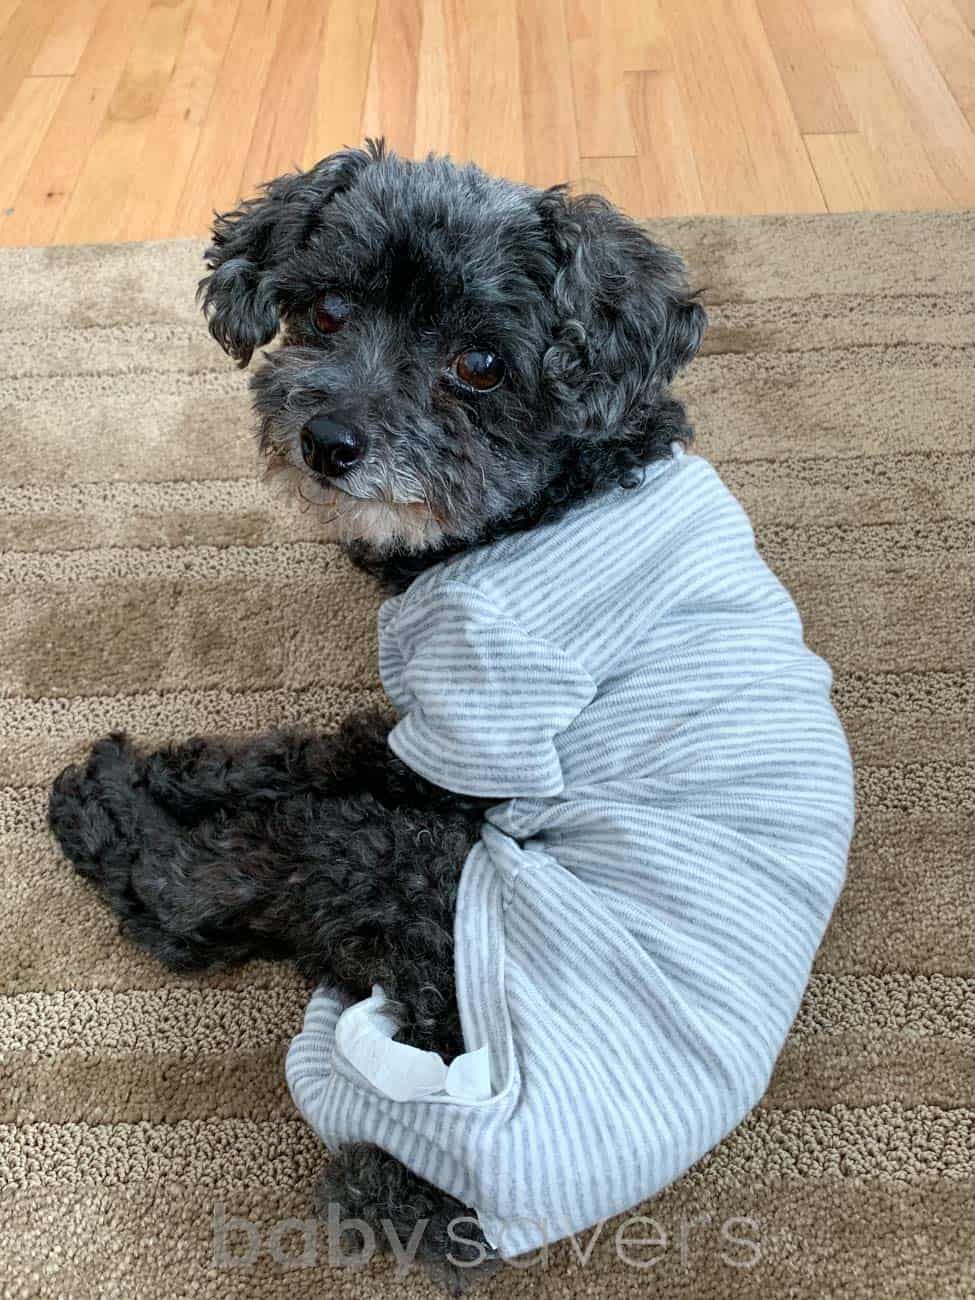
{"points": [[380, 524]]}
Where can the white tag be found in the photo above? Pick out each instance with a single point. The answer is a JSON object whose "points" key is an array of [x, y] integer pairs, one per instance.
{"points": [[469, 1076], [364, 1036]]}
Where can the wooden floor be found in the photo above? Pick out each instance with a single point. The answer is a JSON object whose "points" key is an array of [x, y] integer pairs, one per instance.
{"points": [[133, 119]]}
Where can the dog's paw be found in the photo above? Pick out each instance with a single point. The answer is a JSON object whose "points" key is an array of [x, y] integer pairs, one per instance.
{"points": [[101, 817], [191, 780], [92, 809]]}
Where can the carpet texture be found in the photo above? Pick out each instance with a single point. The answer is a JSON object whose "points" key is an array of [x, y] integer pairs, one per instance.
{"points": [[148, 583]]}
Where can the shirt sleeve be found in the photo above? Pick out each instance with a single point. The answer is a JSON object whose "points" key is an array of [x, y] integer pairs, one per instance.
{"points": [[481, 699]]}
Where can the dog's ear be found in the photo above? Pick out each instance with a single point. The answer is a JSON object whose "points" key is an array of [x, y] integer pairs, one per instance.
{"points": [[627, 322], [240, 295]]}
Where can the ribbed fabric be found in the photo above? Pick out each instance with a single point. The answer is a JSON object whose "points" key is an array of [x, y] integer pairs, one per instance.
{"points": [[636, 925]]}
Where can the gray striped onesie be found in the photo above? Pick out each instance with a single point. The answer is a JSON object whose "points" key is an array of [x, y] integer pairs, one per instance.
{"points": [[636, 924]]}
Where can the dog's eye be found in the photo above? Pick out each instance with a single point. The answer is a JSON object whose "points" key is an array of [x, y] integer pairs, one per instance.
{"points": [[330, 313], [479, 370]]}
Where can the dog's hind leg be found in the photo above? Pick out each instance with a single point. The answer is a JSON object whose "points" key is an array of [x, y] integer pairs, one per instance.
{"points": [[364, 1186]]}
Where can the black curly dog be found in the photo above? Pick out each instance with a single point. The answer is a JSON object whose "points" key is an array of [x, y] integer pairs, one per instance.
{"points": [[462, 358]]}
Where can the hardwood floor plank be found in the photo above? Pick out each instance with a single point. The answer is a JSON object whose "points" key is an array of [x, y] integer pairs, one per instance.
{"points": [[671, 185], [150, 210], [602, 116], [111, 169], [486, 114], [287, 106], [391, 90], [846, 170], [55, 168], [173, 108], [214, 181], [548, 111], [23, 35], [22, 130], [434, 105], [749, 153], [947, 135], [951, 44], [898, 159], [7, 10], [617, 179], [716, 134], [816, 99], [607, 39], [61, 50], [343, 73], [788, 181]]}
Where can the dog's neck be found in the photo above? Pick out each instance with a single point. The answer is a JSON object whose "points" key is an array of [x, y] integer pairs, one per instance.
{"points": [[597, 469]]}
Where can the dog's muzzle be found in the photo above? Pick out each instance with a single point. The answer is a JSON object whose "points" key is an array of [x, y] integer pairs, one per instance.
{"points": [[330, 448]]}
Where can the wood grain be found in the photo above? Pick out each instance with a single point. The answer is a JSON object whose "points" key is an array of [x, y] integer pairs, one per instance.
{"points": [[343, 70], [601, 114], [434, 107], [485, 95], [150, 209], [112, 167], [551, 136], [935, 114], [816, 99], [952, 46], [902, 168], [391, 90], [23, 37], [287, 107], [7, 10], [848, 178], [174, 108], [30, 114], [67, 144], [61, 49], [214, 178], [749, 151], [608, 38], [616, 178], [668, 171]]}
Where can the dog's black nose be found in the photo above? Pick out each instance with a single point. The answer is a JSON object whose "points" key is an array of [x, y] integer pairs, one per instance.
{"points": [[329, 448]]}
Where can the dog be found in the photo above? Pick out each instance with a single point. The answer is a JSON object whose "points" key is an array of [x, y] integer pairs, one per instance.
{"points": [[464, 362]]}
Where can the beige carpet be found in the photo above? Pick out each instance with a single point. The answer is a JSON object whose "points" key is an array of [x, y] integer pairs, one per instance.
{"points": [[147, 583]]}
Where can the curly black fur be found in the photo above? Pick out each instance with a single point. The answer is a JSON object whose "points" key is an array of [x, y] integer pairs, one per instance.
{"points": [[364, 1184], [327, 850]]}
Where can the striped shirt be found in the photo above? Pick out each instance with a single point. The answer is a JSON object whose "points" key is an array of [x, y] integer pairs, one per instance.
{"points": [[636, 925]]}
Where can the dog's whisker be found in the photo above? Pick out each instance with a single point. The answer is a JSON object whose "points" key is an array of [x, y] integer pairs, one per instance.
{"points": [[307, 502]]}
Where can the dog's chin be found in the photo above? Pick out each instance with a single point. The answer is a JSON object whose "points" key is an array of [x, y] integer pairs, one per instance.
{"points": [[381, 525]]}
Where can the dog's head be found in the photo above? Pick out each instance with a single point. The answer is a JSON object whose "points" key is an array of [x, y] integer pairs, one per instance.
{"points": [[457, 350]]}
